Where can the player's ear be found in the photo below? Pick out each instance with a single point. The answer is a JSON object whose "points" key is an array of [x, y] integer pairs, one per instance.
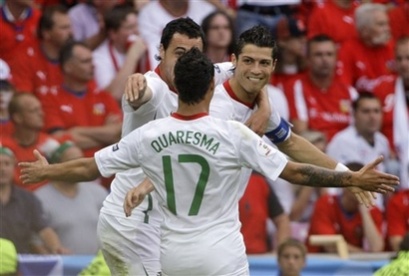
{"points": [[161, 52], [233, 60]]}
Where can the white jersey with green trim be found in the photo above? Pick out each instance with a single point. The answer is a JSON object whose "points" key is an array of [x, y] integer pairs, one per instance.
{"points": [[163, 102], [195, 164]]}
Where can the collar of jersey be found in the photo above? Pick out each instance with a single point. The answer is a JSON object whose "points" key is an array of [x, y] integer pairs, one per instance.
{"points": [[189, 118], [232, 95], [171, 88]]}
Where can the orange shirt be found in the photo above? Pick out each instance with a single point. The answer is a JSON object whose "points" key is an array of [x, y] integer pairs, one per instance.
{"points": [[399, 20], [34, 73], [45, 143], [360, 65], [329, 218], [330, 19], [16, 36], [66, 109]]}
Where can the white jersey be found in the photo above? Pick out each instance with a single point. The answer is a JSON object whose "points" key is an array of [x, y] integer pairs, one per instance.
{"points": [[195, 164], [162, 104]]}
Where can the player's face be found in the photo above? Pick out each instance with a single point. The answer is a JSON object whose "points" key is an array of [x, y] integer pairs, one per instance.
{"points": [[291, 261], [81, 66], [368, 116], [322, 58], [179, 45], [253, 68], [220, 34], [61, 31], [31, 114], [402, 60], [6, 170]]}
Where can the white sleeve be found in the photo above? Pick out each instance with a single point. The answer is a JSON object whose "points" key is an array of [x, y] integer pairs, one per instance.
{"points": [[222, 72], [254, 153], [121, 156]]}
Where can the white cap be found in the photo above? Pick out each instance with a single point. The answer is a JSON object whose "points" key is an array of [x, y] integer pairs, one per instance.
{"points": [[4, 70]]}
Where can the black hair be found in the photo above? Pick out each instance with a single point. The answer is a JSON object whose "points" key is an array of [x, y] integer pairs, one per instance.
{"points": [[67, 50], [317, 39], [363, 96], [115, 16], [185, 26], [46, 20], [257, 35], [194, 73], [207, 21]]}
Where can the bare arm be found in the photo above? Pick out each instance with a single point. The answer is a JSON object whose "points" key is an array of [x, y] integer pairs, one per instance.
{"points": [[394, 242], [135, 196], [371, 233], [303, 151], [135, 52], [368, 178], [78, 170], [105, 135], [282, 224], [301, 202], [299, 126]]}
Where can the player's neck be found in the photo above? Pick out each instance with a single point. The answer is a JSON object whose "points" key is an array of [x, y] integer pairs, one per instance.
{"points": [[243, 95], [189, 110]]}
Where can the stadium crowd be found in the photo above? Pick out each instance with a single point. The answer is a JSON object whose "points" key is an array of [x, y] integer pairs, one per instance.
{"points": [[341, 79]]}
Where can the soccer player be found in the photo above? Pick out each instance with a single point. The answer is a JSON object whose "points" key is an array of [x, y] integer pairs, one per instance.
{"points": [[195, 162]]}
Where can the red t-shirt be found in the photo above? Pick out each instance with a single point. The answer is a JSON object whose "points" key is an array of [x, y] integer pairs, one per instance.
{"points": [[329, 218], [257, 205], [399, 20], [34, 73], [336, 22], [6, 128], [45, 143], [359, 65], [16, 36], [327, 110], [90, 108], [397, 214]]}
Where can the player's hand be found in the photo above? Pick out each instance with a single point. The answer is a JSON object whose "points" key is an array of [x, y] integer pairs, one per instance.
{"points": [[258, 121], [135, 196], [31, 172], [369, 179], [135, 88]]}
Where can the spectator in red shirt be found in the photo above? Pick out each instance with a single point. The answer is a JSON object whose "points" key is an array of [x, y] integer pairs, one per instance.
{"points": [[18, 24], [6, 93], [28, 119], [394, 95], [335, 18], [36, 69], [318, 100], [344, 215], [258, 204], [399, 20], [397, 218], [362, 61], [92, 118]]}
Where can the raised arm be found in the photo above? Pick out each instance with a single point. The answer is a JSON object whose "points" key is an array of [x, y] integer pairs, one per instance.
{"points": [[137, 91]]}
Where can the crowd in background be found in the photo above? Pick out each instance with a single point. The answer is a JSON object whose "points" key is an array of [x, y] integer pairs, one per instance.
{"points": [[341, 78]]}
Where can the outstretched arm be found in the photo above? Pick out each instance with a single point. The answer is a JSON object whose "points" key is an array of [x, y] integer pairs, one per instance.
{"points": [[82, 169], [368, 178]]}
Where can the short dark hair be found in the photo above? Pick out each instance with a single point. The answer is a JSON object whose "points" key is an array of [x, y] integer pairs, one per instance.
{"points": [[317, 39], [363, 96], [115, 16], [46, 20], [15, 105], [291, 242], [67, 51], [194, 73], [185, 26], [257, 35], [207, 21]]}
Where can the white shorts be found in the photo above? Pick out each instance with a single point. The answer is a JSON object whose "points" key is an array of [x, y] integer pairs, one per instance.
{"points": [[130, 247]]}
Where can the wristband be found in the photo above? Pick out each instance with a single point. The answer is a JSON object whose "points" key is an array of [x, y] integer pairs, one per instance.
{"points": [[341, 168]]}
